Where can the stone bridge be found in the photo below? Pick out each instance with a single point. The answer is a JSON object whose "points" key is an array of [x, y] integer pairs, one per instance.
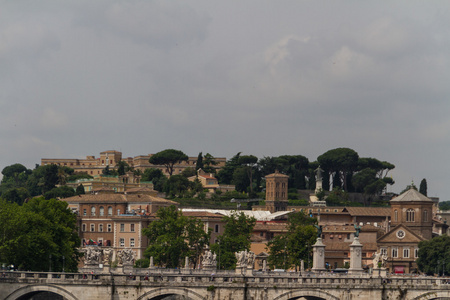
{"points": [[223, 285]]}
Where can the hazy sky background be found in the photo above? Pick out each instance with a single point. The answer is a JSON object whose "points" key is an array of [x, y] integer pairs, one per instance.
{"points": [[259, 77]]}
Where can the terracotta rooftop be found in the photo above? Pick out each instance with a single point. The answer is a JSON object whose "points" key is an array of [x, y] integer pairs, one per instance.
{"points": [[369, 211], [140, 189], [98, 198], [411, 195], [200, 214]]}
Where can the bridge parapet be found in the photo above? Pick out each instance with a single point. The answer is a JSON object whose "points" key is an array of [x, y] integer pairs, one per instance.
{"points": [[274, 285]]}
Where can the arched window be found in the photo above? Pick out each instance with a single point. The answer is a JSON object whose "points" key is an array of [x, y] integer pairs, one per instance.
{"points": [[396, 215], [109, 211], [102, 211], [410, 215], [425, 216], [93, 211]]}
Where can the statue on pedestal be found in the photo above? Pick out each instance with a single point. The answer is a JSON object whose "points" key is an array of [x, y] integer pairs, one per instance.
{"points": [[376, 259], [358, 230], [384, 259], [126, 257], [245, 259], [107, 254], [319, 231], [92, 256], [209, 259]]}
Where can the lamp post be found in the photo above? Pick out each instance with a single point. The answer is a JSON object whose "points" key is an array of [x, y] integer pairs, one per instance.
{"points": [[63, 262], [437, 268], [50, 265], [443, 268]]}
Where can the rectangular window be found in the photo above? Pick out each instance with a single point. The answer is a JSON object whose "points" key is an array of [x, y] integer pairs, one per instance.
{"points": [[416, 252], [122, 227], [395, 252], [405, 252], [109, 228], [383, 251], [83, 227], [84, 212], [132, 227], [216, 228], [122, 242], [131, 242], [100, 227]]}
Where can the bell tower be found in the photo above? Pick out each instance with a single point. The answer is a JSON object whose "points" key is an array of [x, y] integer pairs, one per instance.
{"points": [[276, 192], [414, 210]]}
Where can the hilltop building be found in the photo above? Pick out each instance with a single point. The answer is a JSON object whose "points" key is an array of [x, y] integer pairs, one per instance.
{"points": [[115, 184], [210, 182], [95, 166]]}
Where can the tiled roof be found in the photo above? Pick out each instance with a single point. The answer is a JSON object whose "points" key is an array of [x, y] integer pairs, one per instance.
{"points": [[200, 214], [369, 211], [411, 195], [139, 189], [276, 174], [98, 198]]}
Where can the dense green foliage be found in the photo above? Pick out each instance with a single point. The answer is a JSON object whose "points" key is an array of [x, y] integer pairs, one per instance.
{"points": [[344, 172], [156, 176], [434, 255], [444, 205], [168, 158], [20, 183], [287, 250], [37, 234], [173, 237], [423, 187], [236, 237]]}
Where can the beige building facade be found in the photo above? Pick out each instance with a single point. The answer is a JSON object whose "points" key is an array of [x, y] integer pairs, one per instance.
{"points": [[95, 166]]}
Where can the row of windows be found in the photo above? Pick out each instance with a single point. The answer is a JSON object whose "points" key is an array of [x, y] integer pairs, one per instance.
{"points": [[121, 242], [101, 211], [395, 252], [108, 227], [411, 215]]}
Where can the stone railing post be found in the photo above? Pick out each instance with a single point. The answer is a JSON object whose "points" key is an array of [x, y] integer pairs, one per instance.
{"points": [[356, 257], [318, 256]]}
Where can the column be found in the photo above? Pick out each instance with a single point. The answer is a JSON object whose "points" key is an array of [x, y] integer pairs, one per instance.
{"points": [[356, 257], [318, 256]]}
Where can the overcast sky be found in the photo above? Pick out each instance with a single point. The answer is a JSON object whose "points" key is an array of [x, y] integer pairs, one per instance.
{"points": [[266, 78]]}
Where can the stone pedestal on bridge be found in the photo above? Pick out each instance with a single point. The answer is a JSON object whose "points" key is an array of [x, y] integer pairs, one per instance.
{"points": [[318, 256], [127, 268], [239, 270], [355, 257]]}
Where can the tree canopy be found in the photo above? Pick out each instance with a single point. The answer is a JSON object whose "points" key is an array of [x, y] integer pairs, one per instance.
{"points": [[423, 187], [37, 234], [287, 250], [173, 237], [339, 161], [168, 158], [434, 255], [236, 237]]}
